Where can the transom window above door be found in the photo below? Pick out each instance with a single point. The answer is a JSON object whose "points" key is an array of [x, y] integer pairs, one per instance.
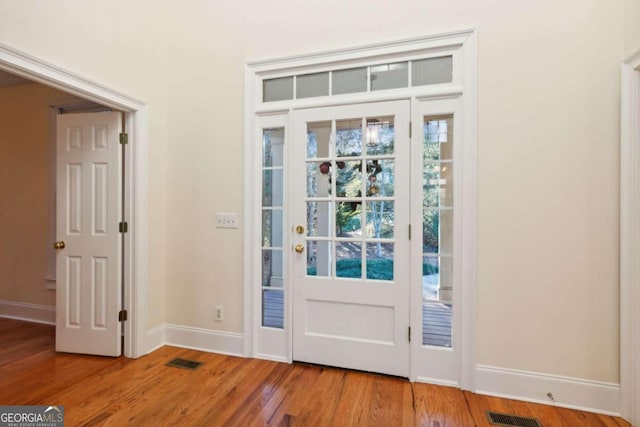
{"points": [[394, 75]]}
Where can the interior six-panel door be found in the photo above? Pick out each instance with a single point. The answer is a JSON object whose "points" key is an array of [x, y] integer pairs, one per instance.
{"points": [[89, 194], [350, 254]]}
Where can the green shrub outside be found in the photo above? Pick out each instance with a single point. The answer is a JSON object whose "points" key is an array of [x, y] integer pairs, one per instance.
{"points": [[380, 269]]}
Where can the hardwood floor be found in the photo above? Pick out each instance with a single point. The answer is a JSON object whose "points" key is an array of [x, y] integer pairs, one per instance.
{"points": [[232, 391]]}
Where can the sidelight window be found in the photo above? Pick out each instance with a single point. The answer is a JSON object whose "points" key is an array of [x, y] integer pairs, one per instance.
{"points": [[272, 228], [437, 230]]}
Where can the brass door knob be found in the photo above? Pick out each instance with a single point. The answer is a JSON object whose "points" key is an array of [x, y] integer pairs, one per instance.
{"points": [[299, 249], [58, 245]]}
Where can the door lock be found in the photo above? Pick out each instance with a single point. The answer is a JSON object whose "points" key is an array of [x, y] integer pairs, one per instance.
{"points": [[299, 229]]}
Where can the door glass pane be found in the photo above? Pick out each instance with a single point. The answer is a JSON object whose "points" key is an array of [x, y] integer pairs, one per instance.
{"points": [[349, 81], [438, 184], [272, 308], [437, 272], [380, 261], [277, 89], [446, 278], [349, 259], [318, 179], [380, 178], [389, 76], [430, 185], [319, 258], [380, 219], [318, 140], [436, 324], [319, 219], [272, 187], [310, 85], [272, 233], [348, 219], [380, 135], [349, 179], [431, 231], [438, 134], [430, 277], [446, 231], [432, 71], [272, 268], [272, 147], [349, 137], [446, 185]]}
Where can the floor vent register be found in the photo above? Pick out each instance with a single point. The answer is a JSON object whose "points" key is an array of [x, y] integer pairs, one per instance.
{"points": [[498, 419], [178, 362]]}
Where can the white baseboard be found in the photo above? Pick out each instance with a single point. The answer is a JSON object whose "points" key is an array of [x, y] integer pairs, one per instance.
{"points": [[271, 357], [573, 393], [155, 339], [28, 312], [204, 340], [436, 381]]}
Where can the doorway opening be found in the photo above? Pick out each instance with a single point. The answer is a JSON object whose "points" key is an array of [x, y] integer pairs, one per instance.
{"points": [[134, 270]]}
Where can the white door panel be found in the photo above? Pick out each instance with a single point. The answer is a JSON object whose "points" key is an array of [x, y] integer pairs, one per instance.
{"points": [[351, 279], [89, 194]]}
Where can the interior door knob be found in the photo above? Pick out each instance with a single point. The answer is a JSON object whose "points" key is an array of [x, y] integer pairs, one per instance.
{"points": [[58, 245], [299, 249]]}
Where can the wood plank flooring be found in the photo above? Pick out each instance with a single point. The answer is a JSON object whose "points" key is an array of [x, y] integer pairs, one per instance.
{"points": [[231, 391]]}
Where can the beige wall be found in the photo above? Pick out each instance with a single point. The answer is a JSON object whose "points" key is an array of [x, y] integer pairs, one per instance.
{"points": [[24, 193], [120, 44], [631, 26], [549, 81]]}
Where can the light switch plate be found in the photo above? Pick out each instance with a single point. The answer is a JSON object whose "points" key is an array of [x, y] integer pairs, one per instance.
{"points": [[226, 220]]}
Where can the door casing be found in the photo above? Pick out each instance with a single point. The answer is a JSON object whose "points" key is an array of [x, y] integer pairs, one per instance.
{"points": [[629, 238], [135, 194], [259, 341]]}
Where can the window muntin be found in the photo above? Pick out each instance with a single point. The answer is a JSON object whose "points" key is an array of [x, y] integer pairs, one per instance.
{"points": [[350, 198]]}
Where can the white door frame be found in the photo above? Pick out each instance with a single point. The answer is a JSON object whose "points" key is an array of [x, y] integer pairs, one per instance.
{"points": [[463, 46], [135, 268], [630, 240]]}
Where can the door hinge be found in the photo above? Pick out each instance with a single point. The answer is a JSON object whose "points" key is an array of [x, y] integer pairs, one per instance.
{"points": [[409, 231], [410, 129], [409, 333], [124, 138], [122, 316], [123, 227]]}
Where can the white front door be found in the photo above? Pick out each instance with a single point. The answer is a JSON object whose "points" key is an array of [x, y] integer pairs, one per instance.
{"points": [[350, 213], [88, 262]]}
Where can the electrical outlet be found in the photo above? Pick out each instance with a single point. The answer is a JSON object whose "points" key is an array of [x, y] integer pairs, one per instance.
{"points": [[219, 313], [226, 220]]}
